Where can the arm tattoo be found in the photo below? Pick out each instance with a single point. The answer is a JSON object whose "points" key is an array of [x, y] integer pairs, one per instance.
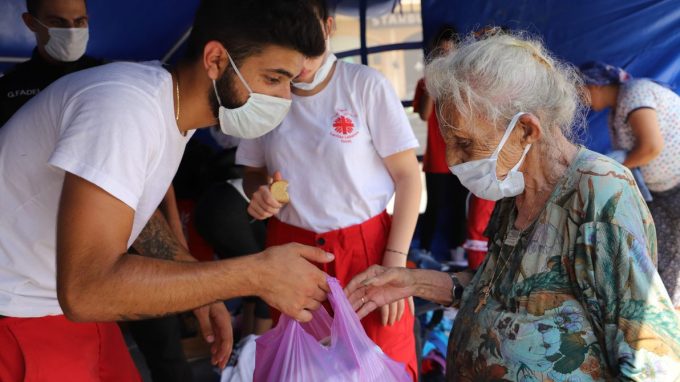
{"points": [[157, 240]]}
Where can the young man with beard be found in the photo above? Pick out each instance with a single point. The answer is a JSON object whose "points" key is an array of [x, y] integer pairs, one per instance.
{"points": [[87, 161]]}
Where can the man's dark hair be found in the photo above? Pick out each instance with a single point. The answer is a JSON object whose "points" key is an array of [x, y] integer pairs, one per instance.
{"points": [[244, 27], [32, 6]]}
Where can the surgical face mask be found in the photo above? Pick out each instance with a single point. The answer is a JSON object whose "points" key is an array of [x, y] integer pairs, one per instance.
{"points": [[66, 44], [259, 115], [479, 176], [320, 74]]}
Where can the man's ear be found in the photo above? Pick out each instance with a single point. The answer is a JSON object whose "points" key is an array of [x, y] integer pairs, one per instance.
{"points": [[532, 130], [29, 21], [215, 59]]}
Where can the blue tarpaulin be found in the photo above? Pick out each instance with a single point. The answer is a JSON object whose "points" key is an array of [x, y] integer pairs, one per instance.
{"points": [[643, 36]]}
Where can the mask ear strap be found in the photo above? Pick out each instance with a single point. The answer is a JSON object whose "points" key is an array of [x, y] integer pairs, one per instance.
{"points": [[243, 80], [508, 130], [41, 23], [219, 100], [524, 154]]}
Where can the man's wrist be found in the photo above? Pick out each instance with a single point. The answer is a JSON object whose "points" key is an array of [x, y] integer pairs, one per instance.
{"points": [[254, 265]]}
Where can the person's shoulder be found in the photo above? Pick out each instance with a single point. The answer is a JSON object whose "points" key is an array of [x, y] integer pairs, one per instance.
{"points": [[592, 167], [607, 189], [144, 79], [361, 73], [638, 86], [134, 73], [651, 87]]}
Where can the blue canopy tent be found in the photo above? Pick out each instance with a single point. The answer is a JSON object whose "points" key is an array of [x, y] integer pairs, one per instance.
{"points": [[643, 36]]}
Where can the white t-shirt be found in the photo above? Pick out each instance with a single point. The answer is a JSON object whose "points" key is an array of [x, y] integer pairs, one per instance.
{"points": [[330, 149], [112, 125]]}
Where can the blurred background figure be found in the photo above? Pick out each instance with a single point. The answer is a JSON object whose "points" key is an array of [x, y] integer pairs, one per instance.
{"points": [[444, 191], [61, 35], [644, 123]]}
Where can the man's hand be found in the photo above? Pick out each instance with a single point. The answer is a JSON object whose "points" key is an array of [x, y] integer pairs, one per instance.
{"points": [[263, 205], [215, 323], [378, 286], [287, 281]]}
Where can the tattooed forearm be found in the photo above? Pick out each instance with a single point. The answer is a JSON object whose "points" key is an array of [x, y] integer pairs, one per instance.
{"points": [[157, 240]]}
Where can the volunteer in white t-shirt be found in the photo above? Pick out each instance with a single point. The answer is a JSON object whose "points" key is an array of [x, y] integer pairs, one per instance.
{"points": [[345, 148], [85, 164]]}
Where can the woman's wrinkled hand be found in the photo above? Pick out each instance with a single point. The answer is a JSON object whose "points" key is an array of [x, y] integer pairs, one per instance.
{"points": [[378, 286]]}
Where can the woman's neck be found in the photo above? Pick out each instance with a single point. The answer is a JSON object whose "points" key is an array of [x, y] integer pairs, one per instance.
{"points": [[612, 95], [541, 175]]}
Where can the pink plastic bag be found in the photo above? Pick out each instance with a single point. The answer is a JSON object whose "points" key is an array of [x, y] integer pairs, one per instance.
{"points": [[293, 352]]}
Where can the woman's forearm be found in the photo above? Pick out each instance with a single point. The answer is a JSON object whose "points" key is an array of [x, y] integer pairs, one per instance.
{"points": [[432, 285], [641, 156], [649, 141], [405, 172], [436, 286]]}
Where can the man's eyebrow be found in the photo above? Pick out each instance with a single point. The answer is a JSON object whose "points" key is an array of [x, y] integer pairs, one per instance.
{"points": [[282, 72], [56, 18]]}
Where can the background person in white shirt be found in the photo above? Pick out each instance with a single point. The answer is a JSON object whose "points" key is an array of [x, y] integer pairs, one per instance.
{"points": [[345, 148], [86, 162]]}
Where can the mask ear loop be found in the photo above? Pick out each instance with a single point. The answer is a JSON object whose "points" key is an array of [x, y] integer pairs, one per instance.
{"points": [[506, 135], [524, 154], [243, 80], [219, 100], [40, 22]]}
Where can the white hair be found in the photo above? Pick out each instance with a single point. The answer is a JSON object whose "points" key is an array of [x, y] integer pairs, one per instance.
{"points": [[502, 74]]}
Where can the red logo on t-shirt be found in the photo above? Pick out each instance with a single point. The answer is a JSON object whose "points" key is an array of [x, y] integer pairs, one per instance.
{"points": [[343, 125]]}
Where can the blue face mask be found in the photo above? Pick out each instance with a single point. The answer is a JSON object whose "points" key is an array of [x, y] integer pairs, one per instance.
{"points": [[479, 176]]}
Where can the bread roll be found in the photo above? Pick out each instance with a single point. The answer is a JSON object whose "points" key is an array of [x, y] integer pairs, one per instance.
{"points": [[279, 190]]}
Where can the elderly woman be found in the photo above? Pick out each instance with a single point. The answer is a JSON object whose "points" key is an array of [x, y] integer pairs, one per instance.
{"points": [[569, 289], [644, 122]]}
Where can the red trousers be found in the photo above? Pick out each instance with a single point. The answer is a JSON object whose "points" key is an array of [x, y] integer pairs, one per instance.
{"points": [[52, 348], [479, 214], [355, 249]]}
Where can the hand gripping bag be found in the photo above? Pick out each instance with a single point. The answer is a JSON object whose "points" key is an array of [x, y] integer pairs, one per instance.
{"points": [[295, 352]]}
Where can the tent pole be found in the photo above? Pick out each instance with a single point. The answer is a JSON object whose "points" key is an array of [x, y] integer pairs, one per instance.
{"points": [[362, 31], [175, 47], [13, 59]]}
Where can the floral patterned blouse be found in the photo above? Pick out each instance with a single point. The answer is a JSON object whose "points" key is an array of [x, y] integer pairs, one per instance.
{"points": [[574, 297]]}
